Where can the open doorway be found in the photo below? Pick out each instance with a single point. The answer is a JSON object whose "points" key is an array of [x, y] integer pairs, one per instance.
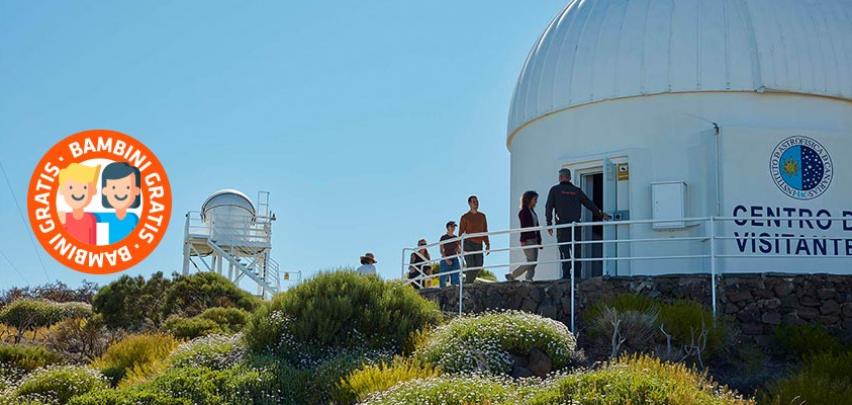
{"points": [[606, 184], [591, 182]]}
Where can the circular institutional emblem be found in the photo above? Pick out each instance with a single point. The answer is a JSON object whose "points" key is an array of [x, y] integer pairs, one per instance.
{"points": [[801, 167], [99, 201]]}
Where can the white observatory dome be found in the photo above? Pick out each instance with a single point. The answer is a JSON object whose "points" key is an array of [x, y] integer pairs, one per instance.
{"points": [[230, 198], [597, 50], [713, 109]]}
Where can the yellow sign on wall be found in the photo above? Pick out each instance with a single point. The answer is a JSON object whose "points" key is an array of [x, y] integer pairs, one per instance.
{"points": [[623, 171]]}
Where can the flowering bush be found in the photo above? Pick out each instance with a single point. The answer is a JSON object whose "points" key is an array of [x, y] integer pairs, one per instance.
{"points": [[639, 380], [134, 396], [204, 386], [215, 352], [340, 310], [142, 354], [56, 385], [450, 390], [486, 342]]}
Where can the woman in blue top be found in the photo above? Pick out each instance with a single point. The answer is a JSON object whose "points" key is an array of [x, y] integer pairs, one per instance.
{"points": [[120, 184]]}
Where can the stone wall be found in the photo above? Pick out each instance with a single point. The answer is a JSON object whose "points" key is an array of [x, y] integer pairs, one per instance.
{"points": [[756, 303]]}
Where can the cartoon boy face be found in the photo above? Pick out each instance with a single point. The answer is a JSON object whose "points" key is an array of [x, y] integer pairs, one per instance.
{"points": [[121, 193], [77, 194]]}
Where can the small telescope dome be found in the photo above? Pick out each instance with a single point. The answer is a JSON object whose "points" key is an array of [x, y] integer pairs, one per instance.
{"points": [[229, 200]]}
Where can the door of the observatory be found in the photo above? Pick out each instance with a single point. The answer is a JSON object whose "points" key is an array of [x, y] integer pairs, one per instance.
{"points": [[591, 182], [599, 184], [610, 204]]}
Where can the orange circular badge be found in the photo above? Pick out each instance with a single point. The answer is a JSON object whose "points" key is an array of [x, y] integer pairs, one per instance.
{"points": [[99, 201]]}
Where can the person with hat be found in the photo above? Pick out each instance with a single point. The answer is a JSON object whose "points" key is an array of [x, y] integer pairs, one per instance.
{"points": [[448, 251], [367, 267], [566, 199], [419, 265]]}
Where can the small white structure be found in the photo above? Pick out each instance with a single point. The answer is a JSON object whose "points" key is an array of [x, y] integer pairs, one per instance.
{"points": [[230, 231], [691, 108]]}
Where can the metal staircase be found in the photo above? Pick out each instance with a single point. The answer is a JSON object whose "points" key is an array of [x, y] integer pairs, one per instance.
{"points": [[235, 246], [263, 271]]}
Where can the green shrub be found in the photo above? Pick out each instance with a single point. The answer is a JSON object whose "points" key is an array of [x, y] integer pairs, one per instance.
{"points": [[58, 384], [825, 379], [127, 397], [75, 310], [685, 320], [214, 352], [806, 340], [211, 321], [326, 374], [190, 328], [629, 330], [448, 390], [237, 385], [486, 342], [230, 320], [233, 386], [143, 354], [340, 310], [621, 303], [636, 380], [373, 378], [132, 302], [82, 338], [27, 358], [486, 274], [191, 295], [29, 314]]}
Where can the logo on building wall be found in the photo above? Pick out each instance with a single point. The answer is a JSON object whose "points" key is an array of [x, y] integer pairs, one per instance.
{"points": [[99, 201], [801, 167]]}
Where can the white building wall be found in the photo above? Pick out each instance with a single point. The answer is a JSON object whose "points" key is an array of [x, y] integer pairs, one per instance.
{"points": [[670, 137]]}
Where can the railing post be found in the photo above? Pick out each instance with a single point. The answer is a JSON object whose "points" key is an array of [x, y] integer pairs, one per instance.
{"points": [[573, 254], [712, 230], [460, 273], [186, 246], [403, 264]]}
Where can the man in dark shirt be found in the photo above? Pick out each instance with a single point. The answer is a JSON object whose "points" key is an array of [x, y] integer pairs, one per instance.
{"points": [[449, 248], [566, 198]]}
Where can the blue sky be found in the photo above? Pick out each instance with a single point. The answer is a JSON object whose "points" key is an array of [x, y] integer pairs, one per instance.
{"points": [[369, 122]]}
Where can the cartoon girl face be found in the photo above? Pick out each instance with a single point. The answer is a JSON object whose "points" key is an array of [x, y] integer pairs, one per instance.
{"points": [[121, 193]]}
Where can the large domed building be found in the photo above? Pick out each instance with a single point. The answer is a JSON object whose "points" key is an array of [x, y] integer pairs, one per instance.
{"points": [[674, 109]]}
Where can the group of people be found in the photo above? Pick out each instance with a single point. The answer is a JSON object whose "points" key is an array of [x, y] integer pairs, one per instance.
{"points": [[473, 222], [563, 206]]}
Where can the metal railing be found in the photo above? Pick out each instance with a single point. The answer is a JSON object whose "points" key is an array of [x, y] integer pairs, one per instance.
{"points": [[709, 250], [234, 229]]}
